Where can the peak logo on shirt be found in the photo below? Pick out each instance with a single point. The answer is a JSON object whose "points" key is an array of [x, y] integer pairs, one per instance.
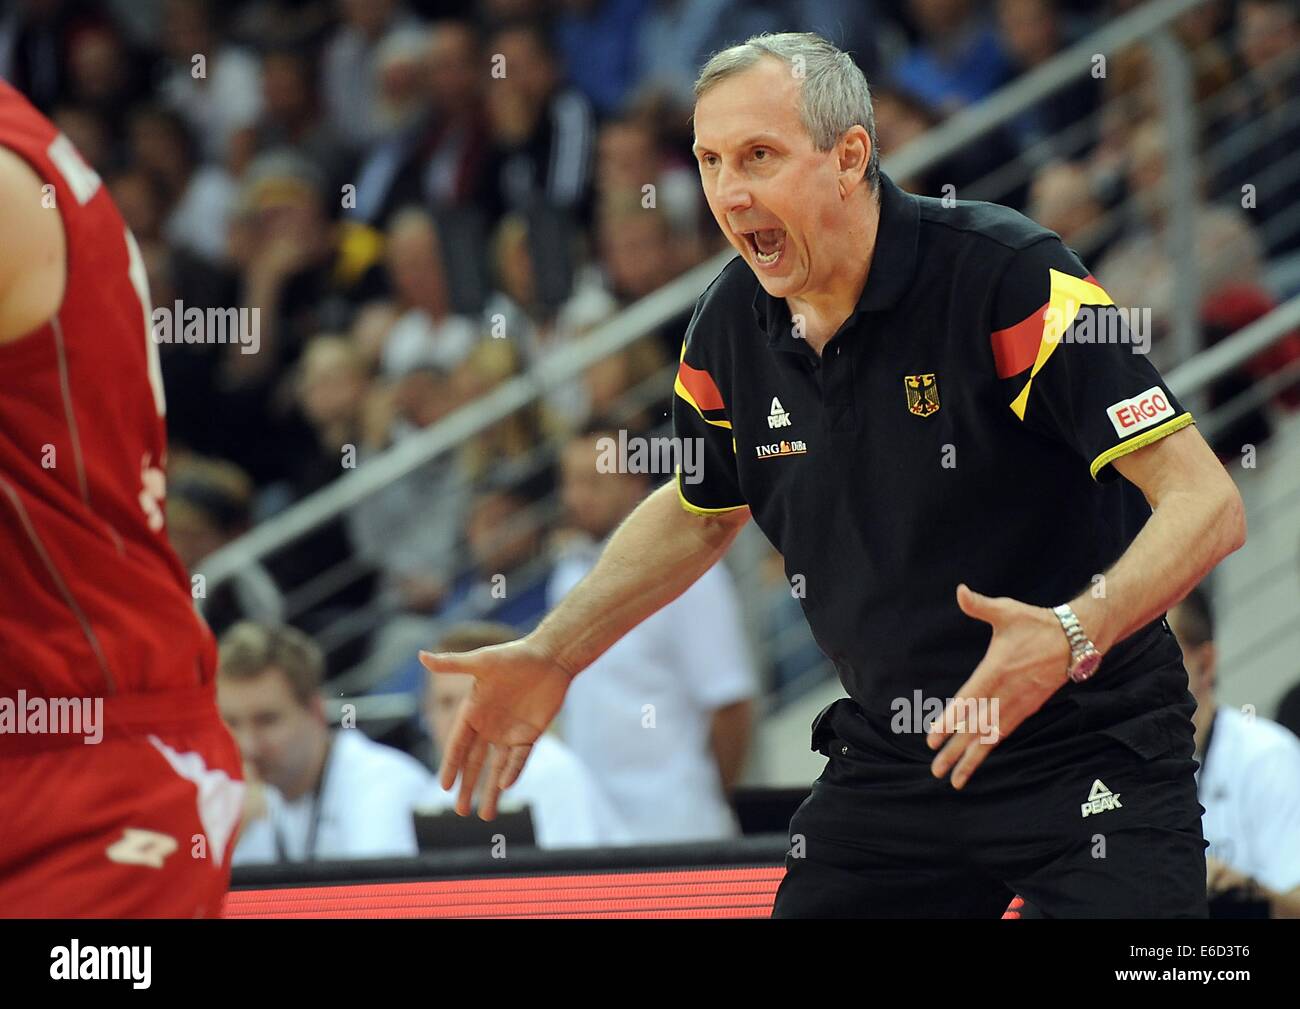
{"points": [[778, 416], [1141, 411]]}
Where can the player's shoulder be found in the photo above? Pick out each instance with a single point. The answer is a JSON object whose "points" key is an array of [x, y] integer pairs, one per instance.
{"points": [[32, 249]]}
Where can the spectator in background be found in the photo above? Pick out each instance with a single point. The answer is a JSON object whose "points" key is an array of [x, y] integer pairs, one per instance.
{"points": [[1033, 31], [852, 28], [678, 36], [295, 261], [1260, 134], [208, 506], [350, 76], [567, 806], [35, 39], [959, 58], [517, 311], [1249, 779], [506, 579], [902, 117], [508, 443], [629, 385], [214, 85], [314, 792], [639, 255], [402, 99], [596, 41], [332, 389], [427, 329], [197, 198], [1064, 198], [105, 74], [542, 129], [1231, 308], [441, 162], [408, 531], [632, 158], [89, 135], [1138, 270], [662, 719], [293, 117]]}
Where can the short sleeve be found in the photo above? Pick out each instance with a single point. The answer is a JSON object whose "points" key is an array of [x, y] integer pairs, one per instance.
{"points": [[1072, 365], [707, 480]]}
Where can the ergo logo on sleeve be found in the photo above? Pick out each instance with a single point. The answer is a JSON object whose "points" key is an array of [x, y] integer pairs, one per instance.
{"points": [[1141, 411]]}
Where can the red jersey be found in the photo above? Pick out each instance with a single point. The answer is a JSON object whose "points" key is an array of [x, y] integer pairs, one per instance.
{"points": [[93, 601]]}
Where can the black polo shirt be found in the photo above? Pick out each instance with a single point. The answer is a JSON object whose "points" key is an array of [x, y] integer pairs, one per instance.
{"points": [[960, 427]]}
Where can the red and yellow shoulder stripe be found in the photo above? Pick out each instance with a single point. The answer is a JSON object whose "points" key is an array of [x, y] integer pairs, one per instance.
{"points": [[1031, 341], [696, 387]]}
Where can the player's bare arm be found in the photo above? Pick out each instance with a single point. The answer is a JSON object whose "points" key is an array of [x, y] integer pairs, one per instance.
{"points": [[1197, 519], [654, 556], [32, 251]]}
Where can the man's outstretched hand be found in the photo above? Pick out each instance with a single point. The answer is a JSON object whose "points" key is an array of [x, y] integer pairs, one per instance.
{"points": [[1026, 663], [518, 689]]}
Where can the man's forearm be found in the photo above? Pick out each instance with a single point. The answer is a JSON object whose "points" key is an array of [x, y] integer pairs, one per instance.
{"points": [[653, 557], [1186, 536]]}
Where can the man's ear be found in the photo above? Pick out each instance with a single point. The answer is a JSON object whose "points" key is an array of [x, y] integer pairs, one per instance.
{"points": [[853, 153]]}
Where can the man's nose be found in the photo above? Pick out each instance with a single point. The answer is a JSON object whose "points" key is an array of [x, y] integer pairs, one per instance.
{"points": [[733, 191]]}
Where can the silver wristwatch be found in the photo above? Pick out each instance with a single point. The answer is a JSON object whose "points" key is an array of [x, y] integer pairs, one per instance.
{"points": [[1084, 657]]}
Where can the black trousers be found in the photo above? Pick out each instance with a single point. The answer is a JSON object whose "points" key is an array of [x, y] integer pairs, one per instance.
{"points": [[1085, 826]]}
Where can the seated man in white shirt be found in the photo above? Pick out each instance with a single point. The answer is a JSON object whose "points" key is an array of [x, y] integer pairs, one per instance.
{"points": [[567, 807], [1248, 783], [316, 793], [663, 719]]}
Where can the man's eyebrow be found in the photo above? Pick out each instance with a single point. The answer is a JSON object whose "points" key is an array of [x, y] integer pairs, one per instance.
{"points": [[769, 139]]}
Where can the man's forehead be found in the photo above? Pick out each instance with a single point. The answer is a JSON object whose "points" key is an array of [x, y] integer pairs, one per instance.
{"points": [[762, 100]]}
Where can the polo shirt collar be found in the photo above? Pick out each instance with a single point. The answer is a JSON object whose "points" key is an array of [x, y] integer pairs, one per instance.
{"points": [[892, 267]]}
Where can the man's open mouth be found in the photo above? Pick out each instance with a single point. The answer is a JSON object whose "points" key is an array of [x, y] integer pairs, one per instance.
{"points": [[767, 244]]}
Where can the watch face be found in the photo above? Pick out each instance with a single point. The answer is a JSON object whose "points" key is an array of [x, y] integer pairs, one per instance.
{"points": [[1086, 666]]}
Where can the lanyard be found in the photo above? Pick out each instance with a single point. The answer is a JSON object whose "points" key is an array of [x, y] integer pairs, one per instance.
{"points": [[313, 828]]}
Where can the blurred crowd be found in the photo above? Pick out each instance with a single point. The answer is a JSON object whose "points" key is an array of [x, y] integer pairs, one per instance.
{"points": [[426, 199]]}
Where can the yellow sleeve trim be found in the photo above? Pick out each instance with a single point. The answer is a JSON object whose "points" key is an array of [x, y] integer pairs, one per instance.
{"points": [[696, 509], [1141, 441]]}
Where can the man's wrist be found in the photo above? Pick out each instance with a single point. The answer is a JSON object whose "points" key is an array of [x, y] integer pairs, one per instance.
{"points": [[1091, 613], [1084, 657], [546, 645]]}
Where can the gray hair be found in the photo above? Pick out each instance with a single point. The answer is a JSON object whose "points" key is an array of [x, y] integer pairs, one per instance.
{"points": [[835, 93]]}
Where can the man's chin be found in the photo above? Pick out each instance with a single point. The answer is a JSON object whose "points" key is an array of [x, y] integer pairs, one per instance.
{"points": [[777, 287]]}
